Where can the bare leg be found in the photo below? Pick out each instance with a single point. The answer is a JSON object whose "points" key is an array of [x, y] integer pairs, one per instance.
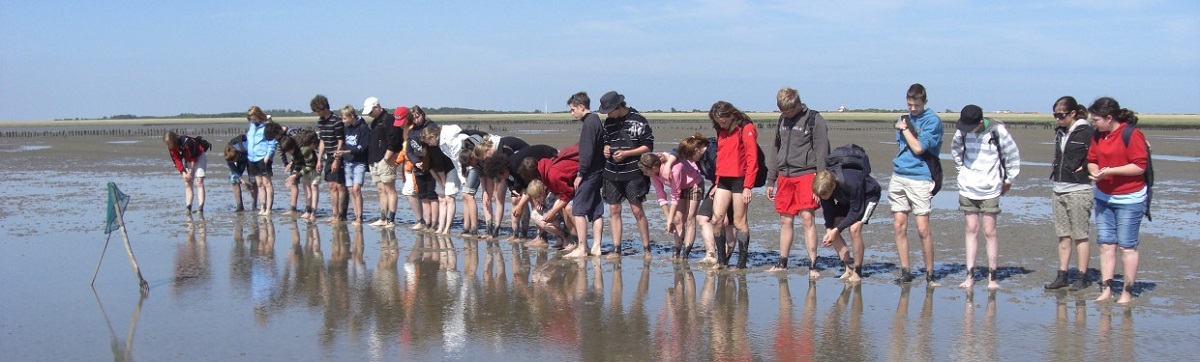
{"points": [[993, 248], [810, 240], [1129, 257], [639, 215], [971, 240], [859, 250], [614, 224], [237, 196], [926, 234], [787, 224], [1108, 265]]}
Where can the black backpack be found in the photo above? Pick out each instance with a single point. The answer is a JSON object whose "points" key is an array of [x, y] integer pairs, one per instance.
{"points": [[1148, 175], [708, 162], [995, 141], [761, 178], [850, 156], [931, 160]]}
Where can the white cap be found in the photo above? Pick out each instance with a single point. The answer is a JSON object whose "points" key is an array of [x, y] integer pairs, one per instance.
{"points": [[368, 104]]}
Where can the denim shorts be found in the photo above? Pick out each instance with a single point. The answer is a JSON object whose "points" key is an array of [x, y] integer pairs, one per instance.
{"points": [[356, 173], [1118, 223], [470, 186]]}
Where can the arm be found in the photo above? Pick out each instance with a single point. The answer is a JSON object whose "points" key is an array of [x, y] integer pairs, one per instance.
{"points": [[749, 155], [956, 150], [1012, 155], [659, 190], [588, 147], [821, 140], [176, 157], [558, 207]]}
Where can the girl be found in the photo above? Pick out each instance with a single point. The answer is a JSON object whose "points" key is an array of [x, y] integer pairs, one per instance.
{"points": [[684, 177], [1117, 164], [1071, 199], [188, 154], [737, 163], [261, 135]]}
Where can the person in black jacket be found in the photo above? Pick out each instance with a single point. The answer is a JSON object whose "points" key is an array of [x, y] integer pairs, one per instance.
{"points": [[1072, 196], [386, 142], [847, 202], [586, 205]]}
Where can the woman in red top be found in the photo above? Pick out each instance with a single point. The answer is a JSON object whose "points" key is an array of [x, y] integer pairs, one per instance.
{"points": [[188, 155], [737, 165], [1117, 166]]}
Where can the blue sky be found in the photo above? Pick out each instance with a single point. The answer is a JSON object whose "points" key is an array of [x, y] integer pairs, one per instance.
{"points": [[66, 59]]}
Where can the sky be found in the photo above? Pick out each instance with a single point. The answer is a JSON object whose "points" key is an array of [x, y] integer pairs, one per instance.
{"points": [[90, 59]]}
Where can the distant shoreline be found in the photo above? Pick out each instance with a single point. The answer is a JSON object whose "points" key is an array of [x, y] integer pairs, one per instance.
{"points": [[1168, 121]]}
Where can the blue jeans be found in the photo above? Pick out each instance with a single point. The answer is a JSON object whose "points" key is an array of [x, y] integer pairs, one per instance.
{"points": [[1118, 223]]}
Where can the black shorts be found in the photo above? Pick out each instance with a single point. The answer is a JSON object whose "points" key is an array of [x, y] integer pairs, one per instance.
{"points": [[331, 175], [706, 208], [733, 184], [426, 186], [260, 168], [634, 190], [587, 201]]}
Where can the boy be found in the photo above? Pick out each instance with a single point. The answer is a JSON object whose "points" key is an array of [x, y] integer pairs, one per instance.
{"points": [[354, 156], [911, 190], [627, 135], [589, 177], [987, 161], [801, 146], [848, 196], [235, 158], [332, 133]]}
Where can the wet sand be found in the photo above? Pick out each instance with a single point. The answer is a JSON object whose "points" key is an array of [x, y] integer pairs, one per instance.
{"points": [[233, 286]]}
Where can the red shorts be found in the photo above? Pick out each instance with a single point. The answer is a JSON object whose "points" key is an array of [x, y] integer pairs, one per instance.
{"points": [[793, 194]]}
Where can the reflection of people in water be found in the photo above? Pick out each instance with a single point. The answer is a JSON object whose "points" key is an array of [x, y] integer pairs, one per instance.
{"points": [[730, 311], [979, 345], [191, 260], [1069, 333], [793, 341], [678, 323]]}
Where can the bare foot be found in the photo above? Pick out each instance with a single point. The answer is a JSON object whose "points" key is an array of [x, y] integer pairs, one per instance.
{"points": [[854, 278], [967, 284], [932, 284], [847, 274], [775, 268], [1126, 298], [814, 275], [615, 254], [570, 247], [577, 253], [594, 252], [993, 285], [537, 243], [708, 259]]}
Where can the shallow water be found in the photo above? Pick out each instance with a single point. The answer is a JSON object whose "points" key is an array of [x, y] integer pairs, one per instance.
{"points": [[233, 286]]}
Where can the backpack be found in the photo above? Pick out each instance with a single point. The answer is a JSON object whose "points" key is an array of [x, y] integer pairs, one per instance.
{"points": [[849, 156], [708, 162], [932, 161], [995, 141], [761, 178], [196, 147], [1148, 175]]}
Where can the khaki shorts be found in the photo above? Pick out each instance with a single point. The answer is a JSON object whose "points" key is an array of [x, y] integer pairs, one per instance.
{"points": [[987, 206], [382, 172], [910, 196], [196, 168], [1072, 213]]}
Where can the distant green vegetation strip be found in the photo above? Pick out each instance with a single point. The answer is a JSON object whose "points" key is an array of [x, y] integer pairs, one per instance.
{"points": [[1145, 120]]}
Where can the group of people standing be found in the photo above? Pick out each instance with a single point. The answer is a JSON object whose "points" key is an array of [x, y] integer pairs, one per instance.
{"points": [[562, 192]]}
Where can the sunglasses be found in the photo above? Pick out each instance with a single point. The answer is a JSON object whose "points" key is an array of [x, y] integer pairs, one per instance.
{"points": [[1060, 115]]}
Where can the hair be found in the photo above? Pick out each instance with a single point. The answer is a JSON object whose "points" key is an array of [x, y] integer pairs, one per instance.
{"points": [[319, 103], [482, 149], [528, 169], [726, 109], [1107, 106], [824, 182], [535, 189], [286, 144], [431, 132], [580, 98], [254, 111], [689, 146], [231, 154], [349, 109], [916, 91], [493, 167], [1071, 105], [171, 139], [649, 161], [466, 157], [787, 98], [415, 111], [272, 131]]}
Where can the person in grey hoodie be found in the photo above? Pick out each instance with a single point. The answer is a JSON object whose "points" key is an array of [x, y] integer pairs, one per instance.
{"points": [[800, 148]]}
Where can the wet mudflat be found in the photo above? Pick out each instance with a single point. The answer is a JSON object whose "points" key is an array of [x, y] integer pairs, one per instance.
{"points": [[235, 286]]}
